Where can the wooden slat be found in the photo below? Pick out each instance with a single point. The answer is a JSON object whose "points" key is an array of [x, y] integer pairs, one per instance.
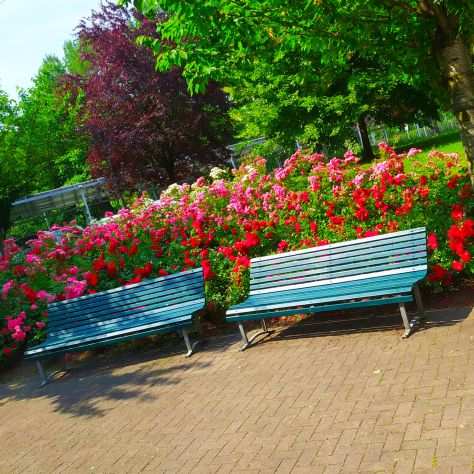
{"points": [[326, 299], [308, 292], [345, 288], [312, 284], [276, 313], [160, 313], [368, 242], [65, 345], [125, 305], [87, 320], [363, 272], [162, 304], [45, 352], [160, 292], [104, 327], [304, 293], [339, 259], [322, 253], [139, 288], [331, 273], [177, 278]]}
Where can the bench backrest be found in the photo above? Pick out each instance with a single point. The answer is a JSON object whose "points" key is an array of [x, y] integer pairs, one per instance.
{"points": [[376, 256], [173, 293]]}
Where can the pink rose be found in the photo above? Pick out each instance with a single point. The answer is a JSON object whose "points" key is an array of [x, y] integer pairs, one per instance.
{"points": [[19, 335], [6, 289]]}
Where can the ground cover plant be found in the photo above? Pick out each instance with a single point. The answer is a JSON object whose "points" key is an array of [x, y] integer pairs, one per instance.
{"points": [[223, 220]]}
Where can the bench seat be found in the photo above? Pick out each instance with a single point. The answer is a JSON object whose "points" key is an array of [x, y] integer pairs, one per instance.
{"points": [[366, 272], [160, 305], [380, 289]]}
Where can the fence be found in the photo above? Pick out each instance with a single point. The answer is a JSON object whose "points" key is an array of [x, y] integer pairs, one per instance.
{"points": [[411, 132]]}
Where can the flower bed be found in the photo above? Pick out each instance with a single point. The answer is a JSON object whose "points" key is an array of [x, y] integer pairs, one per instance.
{"points": [[222, 221]]}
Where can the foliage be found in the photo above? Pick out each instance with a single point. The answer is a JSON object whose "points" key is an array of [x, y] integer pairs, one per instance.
{"points": [[222, 221], [10, 184], [314, 104], [74, 51], [326, 58], [46, 137], [144, 126], [40, 147]]}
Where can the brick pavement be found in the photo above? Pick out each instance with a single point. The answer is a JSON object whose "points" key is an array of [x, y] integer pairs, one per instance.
{"points": [[362, 401]]}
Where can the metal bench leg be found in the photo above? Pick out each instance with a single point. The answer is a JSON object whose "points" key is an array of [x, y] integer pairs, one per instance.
{"points": [[244, 337], [419, 301], [190, 347], [406, 323], [247, 342], [42, 374]]}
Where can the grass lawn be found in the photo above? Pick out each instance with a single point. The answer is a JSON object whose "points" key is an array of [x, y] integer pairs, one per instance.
{"points": [[447, 143]]}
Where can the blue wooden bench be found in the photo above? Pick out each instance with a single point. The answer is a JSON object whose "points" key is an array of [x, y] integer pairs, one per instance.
{"points": [[165, 304], [366, 272]]}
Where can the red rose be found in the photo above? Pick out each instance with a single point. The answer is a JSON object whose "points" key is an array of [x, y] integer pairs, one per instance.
{"points": [[111, 269], [7, 351], [453, 182], [92, 278], [457, 212], [437, 273], [432, 241], [243, 261], [206, 267]]}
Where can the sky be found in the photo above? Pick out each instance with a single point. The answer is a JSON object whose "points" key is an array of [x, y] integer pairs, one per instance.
{"points": [[32, 29]]}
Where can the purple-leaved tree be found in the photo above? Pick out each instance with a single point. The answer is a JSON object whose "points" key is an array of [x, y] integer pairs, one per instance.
{"points": [[144, 126]]}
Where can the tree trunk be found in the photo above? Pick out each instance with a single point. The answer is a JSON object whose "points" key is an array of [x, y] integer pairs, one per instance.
{"points": [[457, 69], [170, 168], [367, 152], [4, 219]]}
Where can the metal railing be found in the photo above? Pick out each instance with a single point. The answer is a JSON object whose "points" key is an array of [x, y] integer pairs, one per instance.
{"points": [[411, 132]]}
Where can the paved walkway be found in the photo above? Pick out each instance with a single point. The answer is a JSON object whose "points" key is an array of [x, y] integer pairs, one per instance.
{"points": [[350, 401]]}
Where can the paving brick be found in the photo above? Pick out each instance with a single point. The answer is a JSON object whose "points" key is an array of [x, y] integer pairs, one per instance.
{"points": [[362, 402], [405, 461], [425, 459], [393, 442], [413, 432]]}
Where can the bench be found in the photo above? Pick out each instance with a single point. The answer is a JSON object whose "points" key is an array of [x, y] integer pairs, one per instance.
{"points": [[164, 304], [371, 271]]}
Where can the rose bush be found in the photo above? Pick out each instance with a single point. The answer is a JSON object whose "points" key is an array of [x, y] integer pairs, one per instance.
{"points": [[222, 221]]}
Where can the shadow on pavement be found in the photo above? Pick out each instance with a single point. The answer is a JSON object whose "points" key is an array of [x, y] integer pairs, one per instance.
{"points": [[83, 389], [360, 322]]}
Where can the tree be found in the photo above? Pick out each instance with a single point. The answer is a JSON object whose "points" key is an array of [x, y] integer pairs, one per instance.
{"points": [[144, 126], [73, 58], [431, 40], [10, 172], [311, 104], [46, 136], [40, 144]]}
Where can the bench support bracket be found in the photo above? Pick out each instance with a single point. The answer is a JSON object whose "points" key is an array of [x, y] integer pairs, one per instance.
{"points": [[247, 342], [42, 373], [418, 319], [190, 347], [419, 301], [47, 378], [409, 325]]}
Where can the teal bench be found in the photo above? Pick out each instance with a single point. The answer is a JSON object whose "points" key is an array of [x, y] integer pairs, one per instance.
{"points": [[371, 271], [165, 304]]}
